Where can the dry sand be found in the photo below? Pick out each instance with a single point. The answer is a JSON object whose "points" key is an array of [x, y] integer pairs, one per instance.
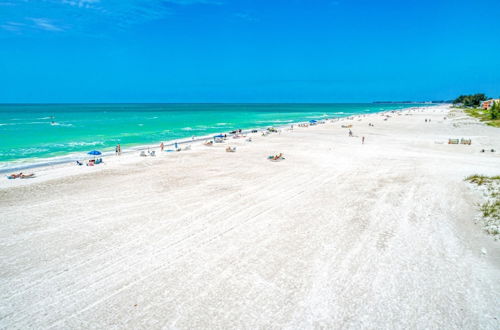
{"points": [[338, 235]]}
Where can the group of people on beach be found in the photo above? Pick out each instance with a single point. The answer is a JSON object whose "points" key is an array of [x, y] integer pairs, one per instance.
{"points": [[427, 120], [118, 150]]}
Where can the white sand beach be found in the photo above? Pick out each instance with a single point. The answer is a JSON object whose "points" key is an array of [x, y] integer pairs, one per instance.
{"points": [[339, 235]]}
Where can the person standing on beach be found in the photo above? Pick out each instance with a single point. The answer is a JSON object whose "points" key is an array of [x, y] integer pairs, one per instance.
{"points": [[119, 149], [363, 140], [116, 150], [162, 146], [350, 133]]}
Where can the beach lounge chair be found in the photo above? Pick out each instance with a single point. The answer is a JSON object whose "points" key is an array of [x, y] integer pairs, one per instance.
{"points": [[231, 149], [152, 153], [209, 143], [188, 147], [143, 154], [453, 141], [465, 141]]}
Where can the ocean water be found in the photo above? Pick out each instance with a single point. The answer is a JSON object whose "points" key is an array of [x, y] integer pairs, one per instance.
{"points": [[38, 133]]}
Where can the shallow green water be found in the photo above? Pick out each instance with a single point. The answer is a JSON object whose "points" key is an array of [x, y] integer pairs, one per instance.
{"points": [[29, 133]]}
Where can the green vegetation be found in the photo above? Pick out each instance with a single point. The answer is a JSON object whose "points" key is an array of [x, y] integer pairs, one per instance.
{"points": [[490, 209], [491, 117], [473, 100], [495, 111], [482, 179]]}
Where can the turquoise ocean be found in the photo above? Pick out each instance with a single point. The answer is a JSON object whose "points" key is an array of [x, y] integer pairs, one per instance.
{"points": [[44, 133]]}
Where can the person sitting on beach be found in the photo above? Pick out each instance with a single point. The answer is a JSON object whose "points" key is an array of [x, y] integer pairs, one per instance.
{"points": [[25, 176], [15, 176], [79, 163], [350, 133]]}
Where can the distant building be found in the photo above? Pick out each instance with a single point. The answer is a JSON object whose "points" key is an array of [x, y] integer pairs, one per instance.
{"points": [[489, 103]]}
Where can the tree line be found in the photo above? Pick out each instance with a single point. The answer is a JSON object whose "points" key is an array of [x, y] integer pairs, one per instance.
{"points": [[473, 100]]}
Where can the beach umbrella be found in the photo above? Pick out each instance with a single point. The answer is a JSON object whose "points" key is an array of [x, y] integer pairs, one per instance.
{"points": [[312, 121], [94, 153], [219, 136]]}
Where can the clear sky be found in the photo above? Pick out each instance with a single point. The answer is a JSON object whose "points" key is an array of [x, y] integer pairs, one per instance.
{"points": [[247, 50]]}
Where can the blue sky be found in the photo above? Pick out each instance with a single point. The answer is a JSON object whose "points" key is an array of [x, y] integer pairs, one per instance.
{"points": [[247, 51]]}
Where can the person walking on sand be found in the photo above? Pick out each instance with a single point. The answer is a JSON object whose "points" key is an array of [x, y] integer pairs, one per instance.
{"points": [[363, 140], [162, 146], [119, 149], [116, 150], [350, 133]]}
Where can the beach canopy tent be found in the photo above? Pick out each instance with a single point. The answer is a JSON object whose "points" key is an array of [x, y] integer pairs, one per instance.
{"points": [[312, 121], [219, 138]]}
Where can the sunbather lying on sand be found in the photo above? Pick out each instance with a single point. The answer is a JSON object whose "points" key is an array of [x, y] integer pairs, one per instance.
{"points": [[231, 149], [15, 176], [276, 157], [26, 176]]}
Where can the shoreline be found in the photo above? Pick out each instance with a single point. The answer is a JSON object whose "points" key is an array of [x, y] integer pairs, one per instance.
{"points": [[72, 157]]}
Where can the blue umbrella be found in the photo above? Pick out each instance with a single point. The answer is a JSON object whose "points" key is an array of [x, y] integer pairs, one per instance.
{"points": [[219, 136], [94, 153], [312, 121]]}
